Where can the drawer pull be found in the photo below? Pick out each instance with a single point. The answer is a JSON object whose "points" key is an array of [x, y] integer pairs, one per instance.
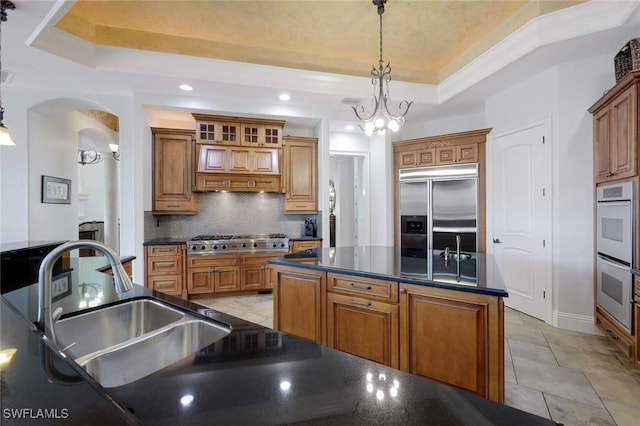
{"points": [[159, 266], [612, 334], [360, 287], [355, 302]]}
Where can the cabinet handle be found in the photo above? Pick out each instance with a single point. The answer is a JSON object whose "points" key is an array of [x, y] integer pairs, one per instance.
{"points": [[360, 287], [609, 174], [214, 269], [612, 334], [355, 302], [173, 206], [403, 290]]}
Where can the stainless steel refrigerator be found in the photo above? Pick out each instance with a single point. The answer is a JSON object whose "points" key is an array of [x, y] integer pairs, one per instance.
{"points": [[436, 205]]}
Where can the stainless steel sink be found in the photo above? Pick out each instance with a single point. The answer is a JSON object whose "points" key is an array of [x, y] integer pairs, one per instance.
{"points": [[122, 343], [96, 330], [140, 357]]}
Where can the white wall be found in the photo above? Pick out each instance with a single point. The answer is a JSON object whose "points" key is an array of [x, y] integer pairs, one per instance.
{"points": [[439, 126], [562, 94]]}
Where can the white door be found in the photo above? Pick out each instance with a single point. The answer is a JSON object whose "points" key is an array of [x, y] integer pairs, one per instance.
{"points": [[521, 206]]}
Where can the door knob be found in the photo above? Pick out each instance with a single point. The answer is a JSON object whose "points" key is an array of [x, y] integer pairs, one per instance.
{"points": [[497, 240]]}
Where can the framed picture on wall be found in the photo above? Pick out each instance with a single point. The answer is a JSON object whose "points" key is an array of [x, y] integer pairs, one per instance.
{"points": [[56, 190]]}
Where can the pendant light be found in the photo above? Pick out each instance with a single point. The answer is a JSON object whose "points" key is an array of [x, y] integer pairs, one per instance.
{"points": [[381, 118]]}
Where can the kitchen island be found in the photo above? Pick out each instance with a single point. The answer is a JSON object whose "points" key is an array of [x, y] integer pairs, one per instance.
{"points": [[426, 314], [253, 376]]}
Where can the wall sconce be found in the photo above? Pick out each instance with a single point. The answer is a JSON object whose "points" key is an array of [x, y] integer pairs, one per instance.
{"points": [[115, 151], [89, 157]]}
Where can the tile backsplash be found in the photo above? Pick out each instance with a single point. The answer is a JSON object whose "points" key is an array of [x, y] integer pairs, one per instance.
{"points": [[230, 213]]}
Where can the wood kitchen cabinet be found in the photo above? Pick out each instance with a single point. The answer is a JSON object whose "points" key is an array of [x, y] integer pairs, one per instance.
{"points": [[245, 131], [299, 303], [300, 174], [301, 245], [454, 148], [212, 274], [453, 337], [164, 268], [362, 317], [223, 159], [172, 162], [616, 131], [256, 273]]}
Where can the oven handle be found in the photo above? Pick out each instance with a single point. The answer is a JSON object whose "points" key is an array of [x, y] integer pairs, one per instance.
{"points": [[614, 264]]}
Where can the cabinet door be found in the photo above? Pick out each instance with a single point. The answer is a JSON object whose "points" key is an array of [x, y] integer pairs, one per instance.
{"points": [[601, 134], [265, 161], [467, 153], [447, 336], [252, 277], [239, 160], [426, 157], [362, 327], [212, 159], [299, 304], [445, 155], [225, 133], [200, 280], [269, 276], [624, 136], [407, 159], [301, 177], [226, 278], [172, 172]]}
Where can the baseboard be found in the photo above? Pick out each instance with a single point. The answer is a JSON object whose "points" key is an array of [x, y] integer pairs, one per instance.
{"points": [[574, 322]]}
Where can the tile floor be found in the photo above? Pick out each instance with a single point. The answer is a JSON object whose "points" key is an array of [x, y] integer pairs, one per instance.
{"points": [[572, 378]]}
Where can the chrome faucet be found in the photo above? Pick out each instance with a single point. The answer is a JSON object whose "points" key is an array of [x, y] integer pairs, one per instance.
{"points": [[458, 258], [46, 318]]}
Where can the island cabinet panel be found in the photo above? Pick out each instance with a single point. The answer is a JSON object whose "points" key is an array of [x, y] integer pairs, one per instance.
{"points": [[362, 327], [453, 337], [299, 303]]}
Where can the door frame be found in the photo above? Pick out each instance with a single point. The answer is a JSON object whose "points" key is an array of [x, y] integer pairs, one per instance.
{"points": [[549, 173], [364, 227]]}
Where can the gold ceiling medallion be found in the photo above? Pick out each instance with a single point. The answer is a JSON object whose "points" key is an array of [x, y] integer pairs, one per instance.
{"points": [[381, 118]]}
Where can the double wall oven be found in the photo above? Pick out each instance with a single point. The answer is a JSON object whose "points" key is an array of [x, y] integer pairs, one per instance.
{"points": [[615, 250]]}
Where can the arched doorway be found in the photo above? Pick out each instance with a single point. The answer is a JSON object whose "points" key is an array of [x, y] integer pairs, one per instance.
{"points": [[58, 129]]}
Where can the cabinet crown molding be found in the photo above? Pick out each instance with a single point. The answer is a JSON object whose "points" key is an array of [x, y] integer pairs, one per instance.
{"points": [[243, 120], [472, 136]]}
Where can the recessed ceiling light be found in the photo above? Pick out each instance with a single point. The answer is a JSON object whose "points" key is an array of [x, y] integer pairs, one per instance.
{"points": [[285, 97], [186, 87], [349, 127]]}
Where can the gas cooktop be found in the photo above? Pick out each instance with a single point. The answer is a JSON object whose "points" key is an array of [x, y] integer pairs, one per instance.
{"points": [[227, 243]]}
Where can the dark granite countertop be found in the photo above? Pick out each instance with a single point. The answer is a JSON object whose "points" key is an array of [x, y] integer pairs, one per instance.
{"points": [[254, 376], [478, 274], [6, 248], [304, 238], [166, 241]]}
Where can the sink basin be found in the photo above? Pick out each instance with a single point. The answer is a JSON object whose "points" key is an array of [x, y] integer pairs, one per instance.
{"points": [[96, 330], [148, 354], [122, 343]]}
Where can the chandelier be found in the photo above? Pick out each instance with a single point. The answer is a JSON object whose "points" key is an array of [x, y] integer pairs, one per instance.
{"points": [[5, 138], [381, 118]]}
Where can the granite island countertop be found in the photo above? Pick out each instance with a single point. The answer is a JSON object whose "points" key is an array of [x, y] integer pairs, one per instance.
{"points": [[477, 274], [253, 376]]}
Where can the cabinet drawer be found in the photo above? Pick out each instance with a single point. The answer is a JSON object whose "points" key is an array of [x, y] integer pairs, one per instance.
{"points": [[214, 260], [211, 182], [168, 250], [172, 205], [304, 245], [257, 257], [170, 284], [164, 265], [615, 334], [363, 287], [300, 206]]}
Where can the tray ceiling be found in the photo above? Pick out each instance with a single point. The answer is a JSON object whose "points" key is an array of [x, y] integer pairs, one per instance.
{"points": [[425, 41]]}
